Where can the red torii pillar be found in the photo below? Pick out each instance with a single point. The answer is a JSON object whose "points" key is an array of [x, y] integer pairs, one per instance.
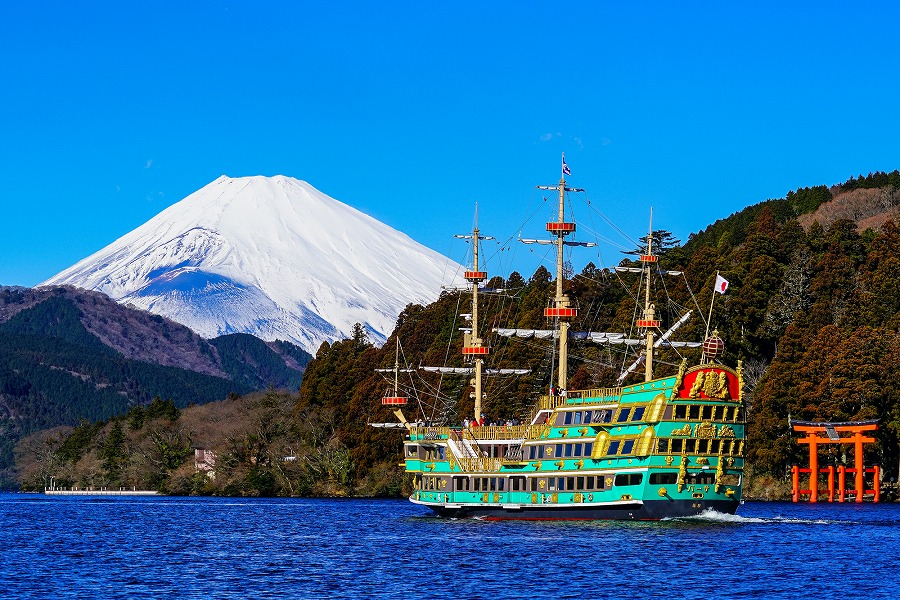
{"points": [[832, 433]]}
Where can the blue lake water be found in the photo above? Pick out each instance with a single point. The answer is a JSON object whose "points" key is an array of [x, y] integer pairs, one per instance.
{"points": [[291, 548]]}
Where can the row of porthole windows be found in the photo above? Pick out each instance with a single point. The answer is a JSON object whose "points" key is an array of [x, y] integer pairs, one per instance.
{"points": [[568, 484], [575, 450], [632, 446], [705, 412], [653, 412], [601, 416], [427, 483], [543, 484], [695, 446], [586, 417]]}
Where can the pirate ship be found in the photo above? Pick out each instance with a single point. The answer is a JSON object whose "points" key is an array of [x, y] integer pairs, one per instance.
{"points": [[664, 447]]}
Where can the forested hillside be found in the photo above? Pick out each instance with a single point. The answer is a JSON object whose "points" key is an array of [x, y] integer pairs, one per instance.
{"points": [[812, 313], [68, 355]]}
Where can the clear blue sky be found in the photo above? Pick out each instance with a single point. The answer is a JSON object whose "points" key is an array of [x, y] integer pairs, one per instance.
{"points": [[414, 111]]}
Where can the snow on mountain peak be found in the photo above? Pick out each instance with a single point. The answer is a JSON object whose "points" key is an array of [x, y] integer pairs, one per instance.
{"points": [[270, 256]]}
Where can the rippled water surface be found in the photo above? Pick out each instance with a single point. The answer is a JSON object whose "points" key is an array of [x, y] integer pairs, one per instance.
{"points": [[289, 548]]}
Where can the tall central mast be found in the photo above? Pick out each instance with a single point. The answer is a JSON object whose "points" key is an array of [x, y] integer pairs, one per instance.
{"points": [[473, 345], [561, 309]]}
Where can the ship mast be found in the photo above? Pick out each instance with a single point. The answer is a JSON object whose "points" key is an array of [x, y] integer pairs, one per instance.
{"points": [[393, 398], [473, 346], [561, 309], [648, 322]]}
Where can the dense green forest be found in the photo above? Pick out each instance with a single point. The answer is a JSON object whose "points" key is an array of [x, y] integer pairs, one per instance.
{"points": [[812, 314]]}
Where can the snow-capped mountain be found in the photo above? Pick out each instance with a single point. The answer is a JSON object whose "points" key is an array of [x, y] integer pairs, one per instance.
{"points": [[269, 256]]}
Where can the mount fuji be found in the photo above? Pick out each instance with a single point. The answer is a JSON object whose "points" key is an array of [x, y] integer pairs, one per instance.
{"points": [[269, 256]]}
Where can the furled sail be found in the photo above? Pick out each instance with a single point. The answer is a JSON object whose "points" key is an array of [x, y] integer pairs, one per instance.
{"points": [[470, 370], [597, 337]]}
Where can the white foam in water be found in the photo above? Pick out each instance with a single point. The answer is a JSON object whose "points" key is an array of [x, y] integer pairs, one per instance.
{"points": [[713, 516]]}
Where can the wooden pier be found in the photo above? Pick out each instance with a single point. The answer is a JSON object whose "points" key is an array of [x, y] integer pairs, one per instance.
{"points": [[99, 492]]}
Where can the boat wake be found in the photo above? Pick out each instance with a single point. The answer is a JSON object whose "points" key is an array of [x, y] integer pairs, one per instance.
{"points": [[713, 516]]}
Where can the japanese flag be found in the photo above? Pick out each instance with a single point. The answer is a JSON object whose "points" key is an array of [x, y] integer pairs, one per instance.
{"points": [[721, 284]]}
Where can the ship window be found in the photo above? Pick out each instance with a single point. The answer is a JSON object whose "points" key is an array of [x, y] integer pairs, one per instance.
{"points": [[588, 414], [694, 412], [603, 416], [534, 484], [627, 446], [702, 446], [568, 420], [701, 478], [570, 483], [667, 414], [559, 450], [576, 418], [638, 413], [412, 450], [629, 479], [613, 448], [578, 449], [501, 484], [588, 447], [714, 446], [677, 446], [623, 415], [663, 445], [579, 483], [568, 450], [551, 484], [663, 478], [518, 483], [680, 411], [707, 412], [590, 482], [690, 446]]}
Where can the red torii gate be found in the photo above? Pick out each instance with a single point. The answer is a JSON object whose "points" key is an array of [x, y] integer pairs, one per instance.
{"points": [[832, 433]]}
